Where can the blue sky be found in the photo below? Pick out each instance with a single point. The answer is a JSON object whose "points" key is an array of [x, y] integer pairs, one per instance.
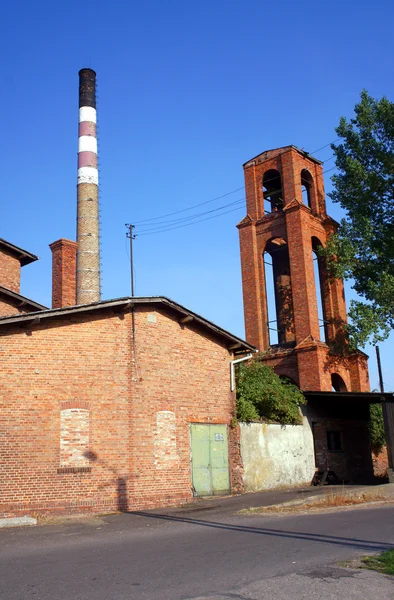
{"points": [[187, 92]]}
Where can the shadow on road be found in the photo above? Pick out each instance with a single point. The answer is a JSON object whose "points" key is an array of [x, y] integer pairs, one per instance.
{"points": [[312, 537]]}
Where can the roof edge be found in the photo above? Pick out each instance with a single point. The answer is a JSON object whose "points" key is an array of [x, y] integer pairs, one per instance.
{"points": [[21, 299], [371, 396], [132, 301], [23, 256], [304, 153]]}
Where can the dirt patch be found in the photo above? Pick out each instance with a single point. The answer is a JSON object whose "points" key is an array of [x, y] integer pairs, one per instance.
{"points": [[331, 500], [85, 519]]}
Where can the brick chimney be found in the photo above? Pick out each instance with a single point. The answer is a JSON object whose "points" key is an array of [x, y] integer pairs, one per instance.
{"points": [[64, 256]]}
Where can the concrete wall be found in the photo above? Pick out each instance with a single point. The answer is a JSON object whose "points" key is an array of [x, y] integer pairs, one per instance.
{"points": [[276, 455]]}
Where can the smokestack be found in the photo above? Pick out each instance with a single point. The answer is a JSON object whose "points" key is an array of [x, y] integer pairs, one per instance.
{"points": [[88, 255], [63, 273]]}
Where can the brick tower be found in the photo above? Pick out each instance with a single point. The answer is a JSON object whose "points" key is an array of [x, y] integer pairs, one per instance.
{"points": [[286, 222]]}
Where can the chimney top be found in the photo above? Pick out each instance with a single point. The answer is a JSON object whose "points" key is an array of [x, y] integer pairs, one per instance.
{"points": [[87, 88]]}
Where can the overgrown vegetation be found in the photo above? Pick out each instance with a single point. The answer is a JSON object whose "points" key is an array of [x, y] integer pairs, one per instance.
{"points": [[376, 428], [263, 395], [383, 563]]}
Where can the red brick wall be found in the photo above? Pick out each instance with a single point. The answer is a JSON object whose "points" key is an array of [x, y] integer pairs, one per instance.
{"points": [[8, 308], [184, 372], [42, 368], [354, 462], [10, 270], [380, 463], [135, 459]]}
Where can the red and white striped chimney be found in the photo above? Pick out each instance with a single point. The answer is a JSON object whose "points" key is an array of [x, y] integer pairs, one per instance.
{"points": [[88, 234]]}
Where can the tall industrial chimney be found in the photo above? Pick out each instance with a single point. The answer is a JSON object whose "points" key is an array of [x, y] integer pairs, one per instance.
{"points": [[88, 234]]}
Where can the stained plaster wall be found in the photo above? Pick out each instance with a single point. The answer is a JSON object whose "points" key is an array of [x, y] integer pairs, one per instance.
{"points": [[276, 455]]}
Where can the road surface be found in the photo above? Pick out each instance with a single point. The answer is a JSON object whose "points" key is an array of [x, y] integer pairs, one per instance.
{"points": [[197, 554]]}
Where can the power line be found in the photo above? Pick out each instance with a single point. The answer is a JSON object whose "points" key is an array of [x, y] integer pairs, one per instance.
{"points": [[165, 224], [194, 222], [326, 146], [177, 212], [164, 228]]}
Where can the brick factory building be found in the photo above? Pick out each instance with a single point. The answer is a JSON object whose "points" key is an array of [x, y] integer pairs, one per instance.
{"points": [[108, 405], [100, 404]]}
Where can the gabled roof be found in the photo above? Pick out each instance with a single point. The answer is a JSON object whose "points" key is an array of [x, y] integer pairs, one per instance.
{"points": [[267, 154], [185, 316], [21, 300], [23, 256]]}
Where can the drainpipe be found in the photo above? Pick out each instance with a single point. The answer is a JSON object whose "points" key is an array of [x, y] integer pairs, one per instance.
{"points": [[232, 370]]}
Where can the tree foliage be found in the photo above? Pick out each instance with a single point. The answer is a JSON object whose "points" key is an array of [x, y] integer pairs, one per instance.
{"points": [[363, 248], [261, 394], [376, 428]]}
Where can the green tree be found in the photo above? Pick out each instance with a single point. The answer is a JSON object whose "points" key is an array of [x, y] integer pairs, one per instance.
{"points": [[363, 248], [261, 394], [376, 428]]}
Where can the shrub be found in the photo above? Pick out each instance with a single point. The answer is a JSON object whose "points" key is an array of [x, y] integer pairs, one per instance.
{"points": [[261, 394]]}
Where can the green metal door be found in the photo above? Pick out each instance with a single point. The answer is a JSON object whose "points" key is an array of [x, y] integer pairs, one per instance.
{"points": [[209, 458]]}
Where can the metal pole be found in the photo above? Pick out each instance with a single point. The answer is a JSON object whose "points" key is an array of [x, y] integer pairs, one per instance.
{"points": [[131, 237], [381, 385], [388, 419]]}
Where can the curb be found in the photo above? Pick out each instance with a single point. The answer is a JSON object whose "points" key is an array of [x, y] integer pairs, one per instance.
{"points": [[18, 522]]}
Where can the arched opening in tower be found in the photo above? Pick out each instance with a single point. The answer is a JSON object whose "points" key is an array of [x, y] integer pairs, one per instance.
{"points": [[280, 315], [306, 187], [337, 383], [272, 191], [321, 288]]}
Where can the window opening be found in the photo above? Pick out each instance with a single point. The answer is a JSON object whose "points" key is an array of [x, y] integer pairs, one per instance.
{"points": [[271, 304], [272, 191], [319, 297], [280, 320], [306, 187], [337, 383], [334, 441]]}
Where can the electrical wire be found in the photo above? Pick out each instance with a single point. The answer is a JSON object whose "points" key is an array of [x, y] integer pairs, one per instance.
{"points": [[223, 195], [326, 146], [168, 227], [200, 221], [154, 225], [177, 212], [165, 224]]}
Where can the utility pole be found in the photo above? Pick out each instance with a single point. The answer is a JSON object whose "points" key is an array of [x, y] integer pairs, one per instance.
{"points": [[131, 237], [381, 385], [388, 418]]}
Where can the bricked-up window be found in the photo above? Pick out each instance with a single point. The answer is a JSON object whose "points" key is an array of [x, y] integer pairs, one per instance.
{"points": [[272, 191], [74, 437], [306, 187], [334, 441], [165, 449]]}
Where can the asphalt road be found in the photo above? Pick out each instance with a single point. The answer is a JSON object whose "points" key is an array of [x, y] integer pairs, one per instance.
{"points": [[182, 555]]}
